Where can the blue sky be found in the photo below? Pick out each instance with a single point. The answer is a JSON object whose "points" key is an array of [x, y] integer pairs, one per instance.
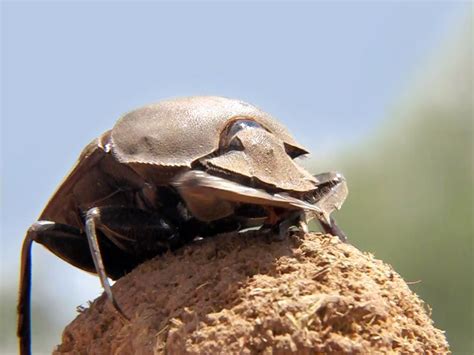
{"points": [[331, 71]]}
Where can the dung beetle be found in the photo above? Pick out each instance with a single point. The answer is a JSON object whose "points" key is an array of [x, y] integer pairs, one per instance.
{"points": [[169, 173]]}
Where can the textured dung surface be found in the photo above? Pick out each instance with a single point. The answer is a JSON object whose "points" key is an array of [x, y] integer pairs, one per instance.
{"points": [[245, 294]]}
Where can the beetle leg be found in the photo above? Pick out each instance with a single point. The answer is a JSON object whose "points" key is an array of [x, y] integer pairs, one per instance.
{"points": [[332, 193], [137, 233], [334, 229], [24, 301], [92, 219], [290, 223], [61, 239]]}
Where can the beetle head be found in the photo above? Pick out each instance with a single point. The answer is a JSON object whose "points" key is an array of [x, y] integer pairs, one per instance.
{"points": [[254, 156]]}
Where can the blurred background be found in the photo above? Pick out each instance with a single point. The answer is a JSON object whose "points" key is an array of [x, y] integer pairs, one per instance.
{"points": [[381, 91]]}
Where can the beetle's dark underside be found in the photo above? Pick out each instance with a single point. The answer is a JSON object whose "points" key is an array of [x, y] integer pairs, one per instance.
{"points": [[128, 236]]}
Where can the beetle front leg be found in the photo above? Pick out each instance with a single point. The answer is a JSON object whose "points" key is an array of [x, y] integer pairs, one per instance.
{"points": [[294, 221], [332, 192], [334, 229]]}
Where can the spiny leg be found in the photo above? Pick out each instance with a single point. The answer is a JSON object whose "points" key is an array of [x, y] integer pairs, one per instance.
{"points": [[332, 192]]}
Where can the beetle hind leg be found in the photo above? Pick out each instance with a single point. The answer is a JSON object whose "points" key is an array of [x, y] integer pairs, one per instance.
{"points": [[63, 240], [24, 302]]}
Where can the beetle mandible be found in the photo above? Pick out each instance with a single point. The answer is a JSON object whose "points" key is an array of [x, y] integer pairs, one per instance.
{"points": [[168, 173]]}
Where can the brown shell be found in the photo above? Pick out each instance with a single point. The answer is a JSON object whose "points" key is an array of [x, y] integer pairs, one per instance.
{"points": [[179, 131]]}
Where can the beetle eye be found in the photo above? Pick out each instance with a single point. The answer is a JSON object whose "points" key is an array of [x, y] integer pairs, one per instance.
{"points": [[230, 140], [241, 124]]}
